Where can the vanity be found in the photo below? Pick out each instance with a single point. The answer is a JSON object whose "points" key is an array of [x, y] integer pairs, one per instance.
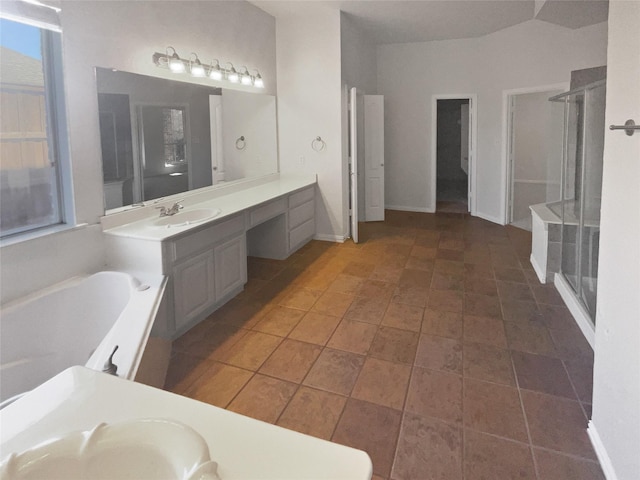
{"points": [[204, 250]]}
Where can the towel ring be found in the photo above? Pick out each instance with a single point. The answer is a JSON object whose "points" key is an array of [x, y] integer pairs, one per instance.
{"points": [[241, 143], [318, 144]]}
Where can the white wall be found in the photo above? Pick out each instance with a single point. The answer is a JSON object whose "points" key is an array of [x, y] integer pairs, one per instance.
{"points": [[309, 105], [124, 35], [615, 423], [530, 54]]}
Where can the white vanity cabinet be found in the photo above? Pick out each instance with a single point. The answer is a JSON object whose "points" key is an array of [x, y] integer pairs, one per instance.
{"points": [[301, 218], [207, 267], [207, 262]]}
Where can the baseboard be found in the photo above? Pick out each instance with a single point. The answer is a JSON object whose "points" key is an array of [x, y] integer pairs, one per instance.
{"points": [[601, 452], [329, 238], [580, 315], [540, 272], [403, 208], [489, 218]]}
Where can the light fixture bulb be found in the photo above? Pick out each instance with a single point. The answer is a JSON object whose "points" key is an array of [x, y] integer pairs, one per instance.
{"points": [[257, 81], [246, 79], [176, 65], [232, 75], [196, 68], [214, 72]]}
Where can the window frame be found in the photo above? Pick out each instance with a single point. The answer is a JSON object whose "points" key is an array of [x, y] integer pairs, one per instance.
{"points": [[57, 133]]}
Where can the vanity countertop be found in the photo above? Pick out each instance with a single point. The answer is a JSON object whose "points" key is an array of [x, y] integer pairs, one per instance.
{"points": [[228, 203], [78, 399]]}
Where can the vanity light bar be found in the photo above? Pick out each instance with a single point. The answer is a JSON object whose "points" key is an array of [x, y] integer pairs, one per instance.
{"points": [[172, 61]]}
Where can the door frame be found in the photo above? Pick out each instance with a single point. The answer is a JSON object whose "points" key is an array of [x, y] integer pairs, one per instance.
{"points": [[507, 137], [353, 163], [473, 146]]}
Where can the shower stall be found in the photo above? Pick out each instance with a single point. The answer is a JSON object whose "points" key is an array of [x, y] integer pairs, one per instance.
{"points": [[579, 207]]}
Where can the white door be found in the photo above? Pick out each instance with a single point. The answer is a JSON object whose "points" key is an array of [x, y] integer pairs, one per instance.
{"points": [[217, 148], [470, 153], [353, 161], [374, 157]]}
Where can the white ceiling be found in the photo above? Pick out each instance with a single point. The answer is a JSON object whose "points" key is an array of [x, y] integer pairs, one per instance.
{"points": [[402, 21]]}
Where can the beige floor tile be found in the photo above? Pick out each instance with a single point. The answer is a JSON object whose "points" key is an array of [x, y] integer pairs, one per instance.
{"points": [[439, 353], [291, 360], [428, 448], [394, 345], [332, 303], [494, 409], [219, 385], [489, 457], [355, 337], [315, 328], [378, 439], [405, 317], [313, 412], [442, 323], [279, 321], [251, 351], [383, 383], [335, 371], [263, 398], [435, 394]]}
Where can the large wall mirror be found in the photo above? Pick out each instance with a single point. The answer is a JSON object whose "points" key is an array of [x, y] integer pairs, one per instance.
{"points": [[162, 137]]}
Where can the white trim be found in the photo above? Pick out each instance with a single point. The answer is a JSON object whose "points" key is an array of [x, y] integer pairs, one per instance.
{"points": [[329, 238], [540, 272], [473, 146], [489, 218], [506, 174], [601, 452], [403, 208], [579, 313]]}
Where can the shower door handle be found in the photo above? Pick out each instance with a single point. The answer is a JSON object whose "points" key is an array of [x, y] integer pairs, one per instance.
{"points": [[629, 127]]}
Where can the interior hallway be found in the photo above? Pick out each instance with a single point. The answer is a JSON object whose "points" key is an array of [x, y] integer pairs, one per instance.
{"points": [[431, 345]]}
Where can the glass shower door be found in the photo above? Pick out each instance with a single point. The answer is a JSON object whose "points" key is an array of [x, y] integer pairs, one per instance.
{"points": [[581, 191], [571, 192], [592, 196]]}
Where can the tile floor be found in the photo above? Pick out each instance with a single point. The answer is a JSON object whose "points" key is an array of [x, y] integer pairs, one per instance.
{"points": [[431, 345]]}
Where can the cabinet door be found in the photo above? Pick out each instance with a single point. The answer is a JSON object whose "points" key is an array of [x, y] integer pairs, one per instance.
{"points": [[193, 287], [230, 266]]}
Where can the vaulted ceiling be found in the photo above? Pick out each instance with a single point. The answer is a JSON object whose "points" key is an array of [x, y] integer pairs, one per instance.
{"points": [[401, 21]]}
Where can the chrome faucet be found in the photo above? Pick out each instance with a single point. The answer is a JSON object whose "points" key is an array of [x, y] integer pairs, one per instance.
{"points": [[167, 212]]}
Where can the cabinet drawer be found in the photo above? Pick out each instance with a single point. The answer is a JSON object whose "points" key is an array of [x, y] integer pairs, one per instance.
{"points": [[266, 211], [300, 214], [300, 234], [303, 196], [195, 242]]}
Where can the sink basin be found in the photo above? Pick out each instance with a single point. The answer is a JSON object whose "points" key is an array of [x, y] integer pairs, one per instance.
{"points": [[187, 218], [137, 449]]}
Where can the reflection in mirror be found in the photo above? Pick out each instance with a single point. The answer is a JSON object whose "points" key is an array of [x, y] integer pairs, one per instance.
{"points": [[161, 137]]}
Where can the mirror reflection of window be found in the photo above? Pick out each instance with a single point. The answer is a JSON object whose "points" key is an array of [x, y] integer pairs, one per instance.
{"points": [[174, 139], [164, 153]]}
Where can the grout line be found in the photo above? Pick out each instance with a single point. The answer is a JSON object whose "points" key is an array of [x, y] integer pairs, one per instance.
{"points": [[526, 419]]}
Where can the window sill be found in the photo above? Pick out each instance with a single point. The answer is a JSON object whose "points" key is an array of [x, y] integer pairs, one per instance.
{"points": [[39, 233]]}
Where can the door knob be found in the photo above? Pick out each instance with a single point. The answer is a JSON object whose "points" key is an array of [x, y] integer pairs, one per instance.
{"points": [[382, 164]]}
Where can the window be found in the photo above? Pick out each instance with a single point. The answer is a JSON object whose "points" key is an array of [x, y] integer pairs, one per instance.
{"points": [[32, 128]]}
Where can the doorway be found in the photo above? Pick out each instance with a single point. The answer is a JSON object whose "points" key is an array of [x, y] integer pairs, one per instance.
{"points": [[366, 159], [453, 148], [452, 158], [534, 152]]}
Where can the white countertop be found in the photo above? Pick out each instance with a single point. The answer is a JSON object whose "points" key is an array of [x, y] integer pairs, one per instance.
{"points": [[79, 399], [229, 204]]}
